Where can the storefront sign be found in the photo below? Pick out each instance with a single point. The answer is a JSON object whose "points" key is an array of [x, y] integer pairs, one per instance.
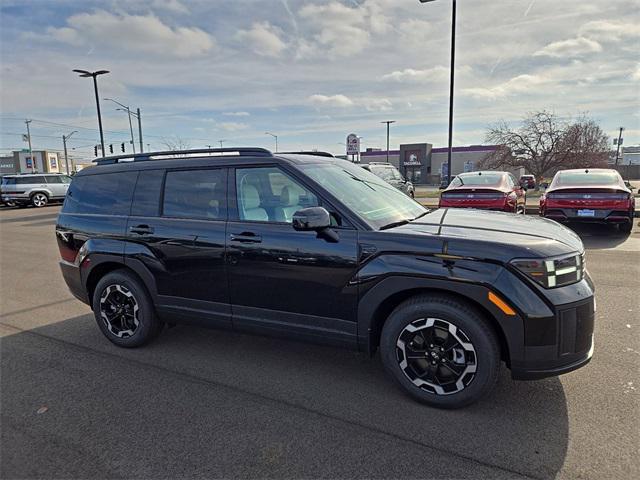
{"points": [[353, 144]]}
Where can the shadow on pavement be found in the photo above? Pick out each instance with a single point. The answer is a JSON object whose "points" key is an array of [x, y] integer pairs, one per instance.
{"points": [[199, 402]]}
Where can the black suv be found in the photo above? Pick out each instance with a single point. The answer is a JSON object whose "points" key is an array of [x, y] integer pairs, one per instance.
{"points": [[316, 248]]}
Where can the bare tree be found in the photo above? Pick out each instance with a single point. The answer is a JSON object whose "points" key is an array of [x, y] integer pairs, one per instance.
{"points": [[544, 144], [176, 143]]}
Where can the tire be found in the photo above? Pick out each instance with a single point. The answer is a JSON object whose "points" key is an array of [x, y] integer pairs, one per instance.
{"points": [[626, 227], [477, 361], [39, 199], [121, 291]]}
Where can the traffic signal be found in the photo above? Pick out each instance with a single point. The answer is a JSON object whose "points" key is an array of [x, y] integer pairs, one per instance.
{"points": [[111, 148], [122, 147], [95, 150]]}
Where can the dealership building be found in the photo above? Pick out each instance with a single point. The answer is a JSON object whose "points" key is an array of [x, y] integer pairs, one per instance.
{"points": [[420, 163], [21, 161]]}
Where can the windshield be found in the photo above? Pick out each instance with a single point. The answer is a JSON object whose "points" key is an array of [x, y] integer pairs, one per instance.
{"points": [[370, 197], [386, 173], [477, 179], [577, 179]]}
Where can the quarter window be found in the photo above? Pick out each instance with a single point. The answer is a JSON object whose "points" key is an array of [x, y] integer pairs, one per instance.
{"points": [[270, 195], [107, 193], [195, 194], [54, 179]]}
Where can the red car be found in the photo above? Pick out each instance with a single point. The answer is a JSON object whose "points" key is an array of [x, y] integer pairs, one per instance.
{"points": [[591, 195], [486, 190]]}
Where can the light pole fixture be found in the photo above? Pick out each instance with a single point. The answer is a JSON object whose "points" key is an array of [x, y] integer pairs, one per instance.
{"points": [[128, 110], [453, 58], [94, 75], [388, 122], [221, 141], [274, 136], [64, 144]]}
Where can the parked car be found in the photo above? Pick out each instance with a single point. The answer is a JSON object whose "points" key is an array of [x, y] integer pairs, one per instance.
{"points": [[317, 248], [527, 182], [391, 175], [2, 202], [589, 195], [487, 190], [37, 189]]}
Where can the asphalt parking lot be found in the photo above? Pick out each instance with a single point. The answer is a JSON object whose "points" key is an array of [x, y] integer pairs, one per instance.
{"points": [[205, 403]]}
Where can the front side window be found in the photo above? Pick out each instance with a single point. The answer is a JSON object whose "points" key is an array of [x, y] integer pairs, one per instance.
{"points": [[267, 194], [196, 194], [367, 195]]}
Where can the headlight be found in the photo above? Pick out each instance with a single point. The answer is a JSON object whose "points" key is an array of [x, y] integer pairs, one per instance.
{"points": [[552, 272]]}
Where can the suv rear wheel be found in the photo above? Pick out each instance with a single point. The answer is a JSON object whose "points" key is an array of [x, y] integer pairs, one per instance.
{"points": [[441, 351], [124, 311], [39, 199]]}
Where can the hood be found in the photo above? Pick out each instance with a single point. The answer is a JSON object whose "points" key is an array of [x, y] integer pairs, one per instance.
{"points": [[511, 235]]}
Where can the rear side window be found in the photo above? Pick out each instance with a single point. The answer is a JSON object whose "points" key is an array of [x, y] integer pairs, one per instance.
{"points": [[146, 199], [54, 179], [26, 180], [108, 194], [197, 194]]}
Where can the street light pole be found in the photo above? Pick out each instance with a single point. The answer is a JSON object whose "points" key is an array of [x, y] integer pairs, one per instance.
{"points": [[274, 136], [453, 58], [388, 122], [33, 161], [619, 143], [125, 108], [64, 143], [94, 75], [139, 128]]}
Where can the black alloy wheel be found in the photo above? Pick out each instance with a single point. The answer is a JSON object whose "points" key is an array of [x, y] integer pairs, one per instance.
{"points": [[119, 311]]}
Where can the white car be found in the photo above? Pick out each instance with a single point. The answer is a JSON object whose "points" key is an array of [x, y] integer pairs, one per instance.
{"points": [[36, 189]]}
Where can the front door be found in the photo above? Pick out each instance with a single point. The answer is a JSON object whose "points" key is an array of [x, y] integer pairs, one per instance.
{"points": [[181, 240], [282, 280]]}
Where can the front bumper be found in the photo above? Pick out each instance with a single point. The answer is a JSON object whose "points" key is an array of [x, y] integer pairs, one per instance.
{"points": [[558, 344]]}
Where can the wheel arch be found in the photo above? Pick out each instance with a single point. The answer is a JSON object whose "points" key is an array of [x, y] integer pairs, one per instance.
{"points": [[371, 320]]}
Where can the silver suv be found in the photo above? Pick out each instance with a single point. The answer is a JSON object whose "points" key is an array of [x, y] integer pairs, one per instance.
{"points": [[36, 189], [391, 175]]}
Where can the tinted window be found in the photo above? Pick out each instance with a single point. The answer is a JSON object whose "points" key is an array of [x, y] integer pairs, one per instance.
{"points": [[54, 179], [195, 194], [270, 195], [146, 199], [26, 180], [591, 178], [477, 179], [108, 193]]}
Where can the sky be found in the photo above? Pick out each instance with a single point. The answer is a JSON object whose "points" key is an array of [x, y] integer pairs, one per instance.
{"points": [[311, 71]]}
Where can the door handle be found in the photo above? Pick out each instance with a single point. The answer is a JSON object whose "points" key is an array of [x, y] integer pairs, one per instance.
{"points": [[141, 229], [245, 237]]}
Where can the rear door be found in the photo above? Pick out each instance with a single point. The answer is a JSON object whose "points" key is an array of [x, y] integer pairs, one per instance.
{"points": [[177, 229], [56, 186]]}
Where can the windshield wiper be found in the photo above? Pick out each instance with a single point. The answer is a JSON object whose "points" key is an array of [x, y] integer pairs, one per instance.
{"points": [[421, 215], [394, 224]]}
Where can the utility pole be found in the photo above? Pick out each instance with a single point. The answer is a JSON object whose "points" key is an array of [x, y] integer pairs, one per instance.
{"points": [[388, 122], [64, 143], [33, 160], [139, 128], [125, 108], [619, 143], [94, 75]]}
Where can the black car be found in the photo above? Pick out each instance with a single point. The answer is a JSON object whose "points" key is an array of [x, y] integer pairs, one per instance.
{"points": [[316, 248]]}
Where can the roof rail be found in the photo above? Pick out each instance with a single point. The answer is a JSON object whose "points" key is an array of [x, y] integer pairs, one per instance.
{"points": [[306, 152], [147, 156]]}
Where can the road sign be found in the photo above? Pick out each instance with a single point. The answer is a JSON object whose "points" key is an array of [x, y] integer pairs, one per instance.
{"points": [[353, 144]]}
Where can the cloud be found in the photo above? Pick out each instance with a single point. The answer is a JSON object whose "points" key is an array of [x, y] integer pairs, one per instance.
{"points": [[573, 47], [233, 126], [263, 38], [170, 5], [636, 73], [330, 101], [434, 74], [133, 33], [236, 114], [377, 104], [519, 84], [609, 31]]}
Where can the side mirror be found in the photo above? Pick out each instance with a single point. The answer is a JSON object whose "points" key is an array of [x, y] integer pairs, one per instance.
{"points": [[312, 218]]}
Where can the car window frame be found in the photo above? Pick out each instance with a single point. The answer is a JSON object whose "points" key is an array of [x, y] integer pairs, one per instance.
{"points": [[224, 207], [232, 196]]}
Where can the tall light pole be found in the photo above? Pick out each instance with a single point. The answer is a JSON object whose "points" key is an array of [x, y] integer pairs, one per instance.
{"points": [[619, 143], [388, 122], [453, 62], [128, 110], [274, 136], [64, 143], [33, 161], [94, 75], [221, 142]]}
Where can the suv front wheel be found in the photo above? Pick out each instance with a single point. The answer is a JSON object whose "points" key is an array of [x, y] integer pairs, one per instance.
{"points": [[441, 351], [39, 199], [124, 311]]}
